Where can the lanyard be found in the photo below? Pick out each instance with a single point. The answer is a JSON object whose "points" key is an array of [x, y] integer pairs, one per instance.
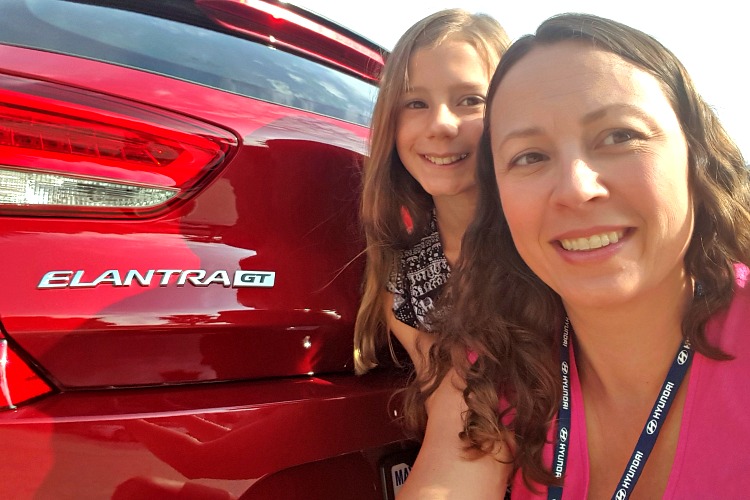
{"points": [[649, 433]]}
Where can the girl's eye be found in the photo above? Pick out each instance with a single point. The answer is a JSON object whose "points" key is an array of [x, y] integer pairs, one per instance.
{"points": [[528, 159], [620, 136], [473, 100], [416, 105]]}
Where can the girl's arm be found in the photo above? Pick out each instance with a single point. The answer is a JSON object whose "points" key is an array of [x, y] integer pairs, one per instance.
{"points": [[417, 343], [444, 469]]}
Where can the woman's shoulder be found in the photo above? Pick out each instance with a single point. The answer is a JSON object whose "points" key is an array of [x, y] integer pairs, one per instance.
{"points": [[717, 400], [730, 329], [741, 301]]}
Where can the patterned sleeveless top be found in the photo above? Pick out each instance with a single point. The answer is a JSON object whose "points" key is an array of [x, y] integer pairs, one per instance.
{"points": [[419, 278]]}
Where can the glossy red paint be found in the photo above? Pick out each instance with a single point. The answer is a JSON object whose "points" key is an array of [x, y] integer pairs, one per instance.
{"points": [[259, 18], [19, 383], [285, 202], [224, 438], [192, 389], [232, 111]]}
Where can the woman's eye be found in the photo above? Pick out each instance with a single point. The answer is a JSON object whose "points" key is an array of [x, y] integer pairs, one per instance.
{"points": [[619, 136], [528, 159], [473, 100]]}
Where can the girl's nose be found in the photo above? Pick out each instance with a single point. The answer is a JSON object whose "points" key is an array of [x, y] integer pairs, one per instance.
{"points": [[444, 122]]}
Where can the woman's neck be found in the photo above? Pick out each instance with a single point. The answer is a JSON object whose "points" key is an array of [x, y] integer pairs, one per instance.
{"points": [[454, 214], [624, 353]]}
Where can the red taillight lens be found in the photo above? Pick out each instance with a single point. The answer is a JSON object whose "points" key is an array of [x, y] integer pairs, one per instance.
{"points": [[18, 382], [280, 26], [69, 152]]}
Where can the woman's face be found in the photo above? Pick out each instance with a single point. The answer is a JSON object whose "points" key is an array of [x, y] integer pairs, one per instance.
{"points": [[592, 169], [440, 118]]}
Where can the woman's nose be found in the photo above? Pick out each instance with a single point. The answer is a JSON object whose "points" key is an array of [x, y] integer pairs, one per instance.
{"points": [[579, 182]]}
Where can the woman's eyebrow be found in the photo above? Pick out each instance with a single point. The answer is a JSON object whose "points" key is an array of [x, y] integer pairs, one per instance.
{"points": [[600, 113], [521, 133]]}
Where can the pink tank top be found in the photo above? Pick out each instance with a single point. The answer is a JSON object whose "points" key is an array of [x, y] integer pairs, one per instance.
{"points": [[713, 450]]}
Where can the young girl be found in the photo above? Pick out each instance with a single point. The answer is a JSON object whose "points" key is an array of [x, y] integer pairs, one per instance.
{"points": [[419, 189], [619, 205]]}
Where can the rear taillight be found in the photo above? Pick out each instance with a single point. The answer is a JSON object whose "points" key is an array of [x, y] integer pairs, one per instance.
{"points": [[18, 381], [300, 31], [70, 152]]}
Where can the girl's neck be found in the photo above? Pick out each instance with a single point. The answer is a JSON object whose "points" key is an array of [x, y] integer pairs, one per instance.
{"points": [[454, 214]]}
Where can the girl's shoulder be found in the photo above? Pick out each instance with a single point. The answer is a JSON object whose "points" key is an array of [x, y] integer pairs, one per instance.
{"points": [[428, 247]]}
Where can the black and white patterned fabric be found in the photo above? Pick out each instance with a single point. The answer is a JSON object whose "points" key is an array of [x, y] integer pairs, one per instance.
{"points": [[416, 283]]}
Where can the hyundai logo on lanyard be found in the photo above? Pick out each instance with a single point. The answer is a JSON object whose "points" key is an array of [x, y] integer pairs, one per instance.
{"points": [[648, 435]]}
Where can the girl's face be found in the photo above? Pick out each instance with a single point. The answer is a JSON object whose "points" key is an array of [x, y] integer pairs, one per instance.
{"points": [[440, 118], [592, 169]]}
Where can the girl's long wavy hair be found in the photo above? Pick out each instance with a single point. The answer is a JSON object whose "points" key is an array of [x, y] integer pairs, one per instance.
{"points": [[512, 320], [388, 188]]}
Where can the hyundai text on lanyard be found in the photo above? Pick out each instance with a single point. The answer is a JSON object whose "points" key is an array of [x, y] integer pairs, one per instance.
{"points": [[649, 433]]}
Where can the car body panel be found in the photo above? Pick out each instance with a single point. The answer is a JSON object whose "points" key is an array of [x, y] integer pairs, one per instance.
{"points": [[299, 163], [223, 437], [196, 382]]}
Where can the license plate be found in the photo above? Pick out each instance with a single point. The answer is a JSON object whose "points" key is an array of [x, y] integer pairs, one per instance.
{"points": [[394, 469]]}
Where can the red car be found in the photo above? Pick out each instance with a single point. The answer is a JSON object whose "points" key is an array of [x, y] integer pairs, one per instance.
{"points": [[181, 256]]}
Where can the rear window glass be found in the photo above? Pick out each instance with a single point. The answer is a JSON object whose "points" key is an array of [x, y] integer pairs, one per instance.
{"points": [[187, 52]]}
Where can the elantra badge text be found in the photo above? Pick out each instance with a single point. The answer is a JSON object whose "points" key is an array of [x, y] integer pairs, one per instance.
{"points": [[162, 277]]}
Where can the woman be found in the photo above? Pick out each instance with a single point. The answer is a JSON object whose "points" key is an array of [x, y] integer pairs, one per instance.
{"points": [[419, 189], [620, 207]]}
